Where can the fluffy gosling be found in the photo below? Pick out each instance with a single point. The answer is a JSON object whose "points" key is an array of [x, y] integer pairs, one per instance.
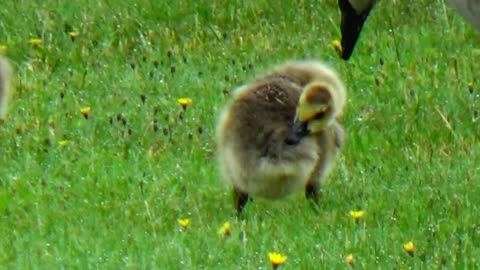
{"points": [[280, 133], [5, 73]]}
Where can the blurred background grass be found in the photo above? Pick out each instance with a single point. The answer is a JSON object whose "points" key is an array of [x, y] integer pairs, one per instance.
{"points": [[110, 198]]}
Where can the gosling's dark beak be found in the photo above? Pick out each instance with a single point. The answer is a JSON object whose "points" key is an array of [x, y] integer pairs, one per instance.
{"points": [[351, 26], [298, 131]]}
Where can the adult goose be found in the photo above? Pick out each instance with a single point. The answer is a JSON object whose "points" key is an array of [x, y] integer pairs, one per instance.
{"points": [[355, 12]]}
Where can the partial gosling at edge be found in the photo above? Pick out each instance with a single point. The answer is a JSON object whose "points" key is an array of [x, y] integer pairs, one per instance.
{"points": [[280, 133], [5, 73]]}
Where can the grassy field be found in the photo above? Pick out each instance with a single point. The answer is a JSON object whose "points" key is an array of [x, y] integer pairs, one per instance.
{"points": [[106, 192]]}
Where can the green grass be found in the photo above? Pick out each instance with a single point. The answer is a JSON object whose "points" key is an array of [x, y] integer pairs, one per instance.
{"points": [[110, 199]]}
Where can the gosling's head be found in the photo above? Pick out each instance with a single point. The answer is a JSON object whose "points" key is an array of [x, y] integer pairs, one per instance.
{"points": [[317, 108]]}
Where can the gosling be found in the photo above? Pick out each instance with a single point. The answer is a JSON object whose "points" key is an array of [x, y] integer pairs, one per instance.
{"points": [[280, 133], [5, 73], [355, 13]]}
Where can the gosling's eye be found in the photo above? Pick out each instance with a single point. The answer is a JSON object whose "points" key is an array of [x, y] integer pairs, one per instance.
{"points": [[322, 114], [319, 115]]}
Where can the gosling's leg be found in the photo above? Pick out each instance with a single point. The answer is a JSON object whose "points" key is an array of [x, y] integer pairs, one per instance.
{"points": [[313, 192], [240, 199]]}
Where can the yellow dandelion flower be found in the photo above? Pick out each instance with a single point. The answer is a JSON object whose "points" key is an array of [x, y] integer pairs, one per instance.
{"points": [[85, 111], [73, 35], [469, 85], [225, 229], [409, 248], [337, 46], [184, 102], [63, 143], [350, 260], [35, 41], [3, 49], [184, 222], [357, 215], [277, 259]]}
